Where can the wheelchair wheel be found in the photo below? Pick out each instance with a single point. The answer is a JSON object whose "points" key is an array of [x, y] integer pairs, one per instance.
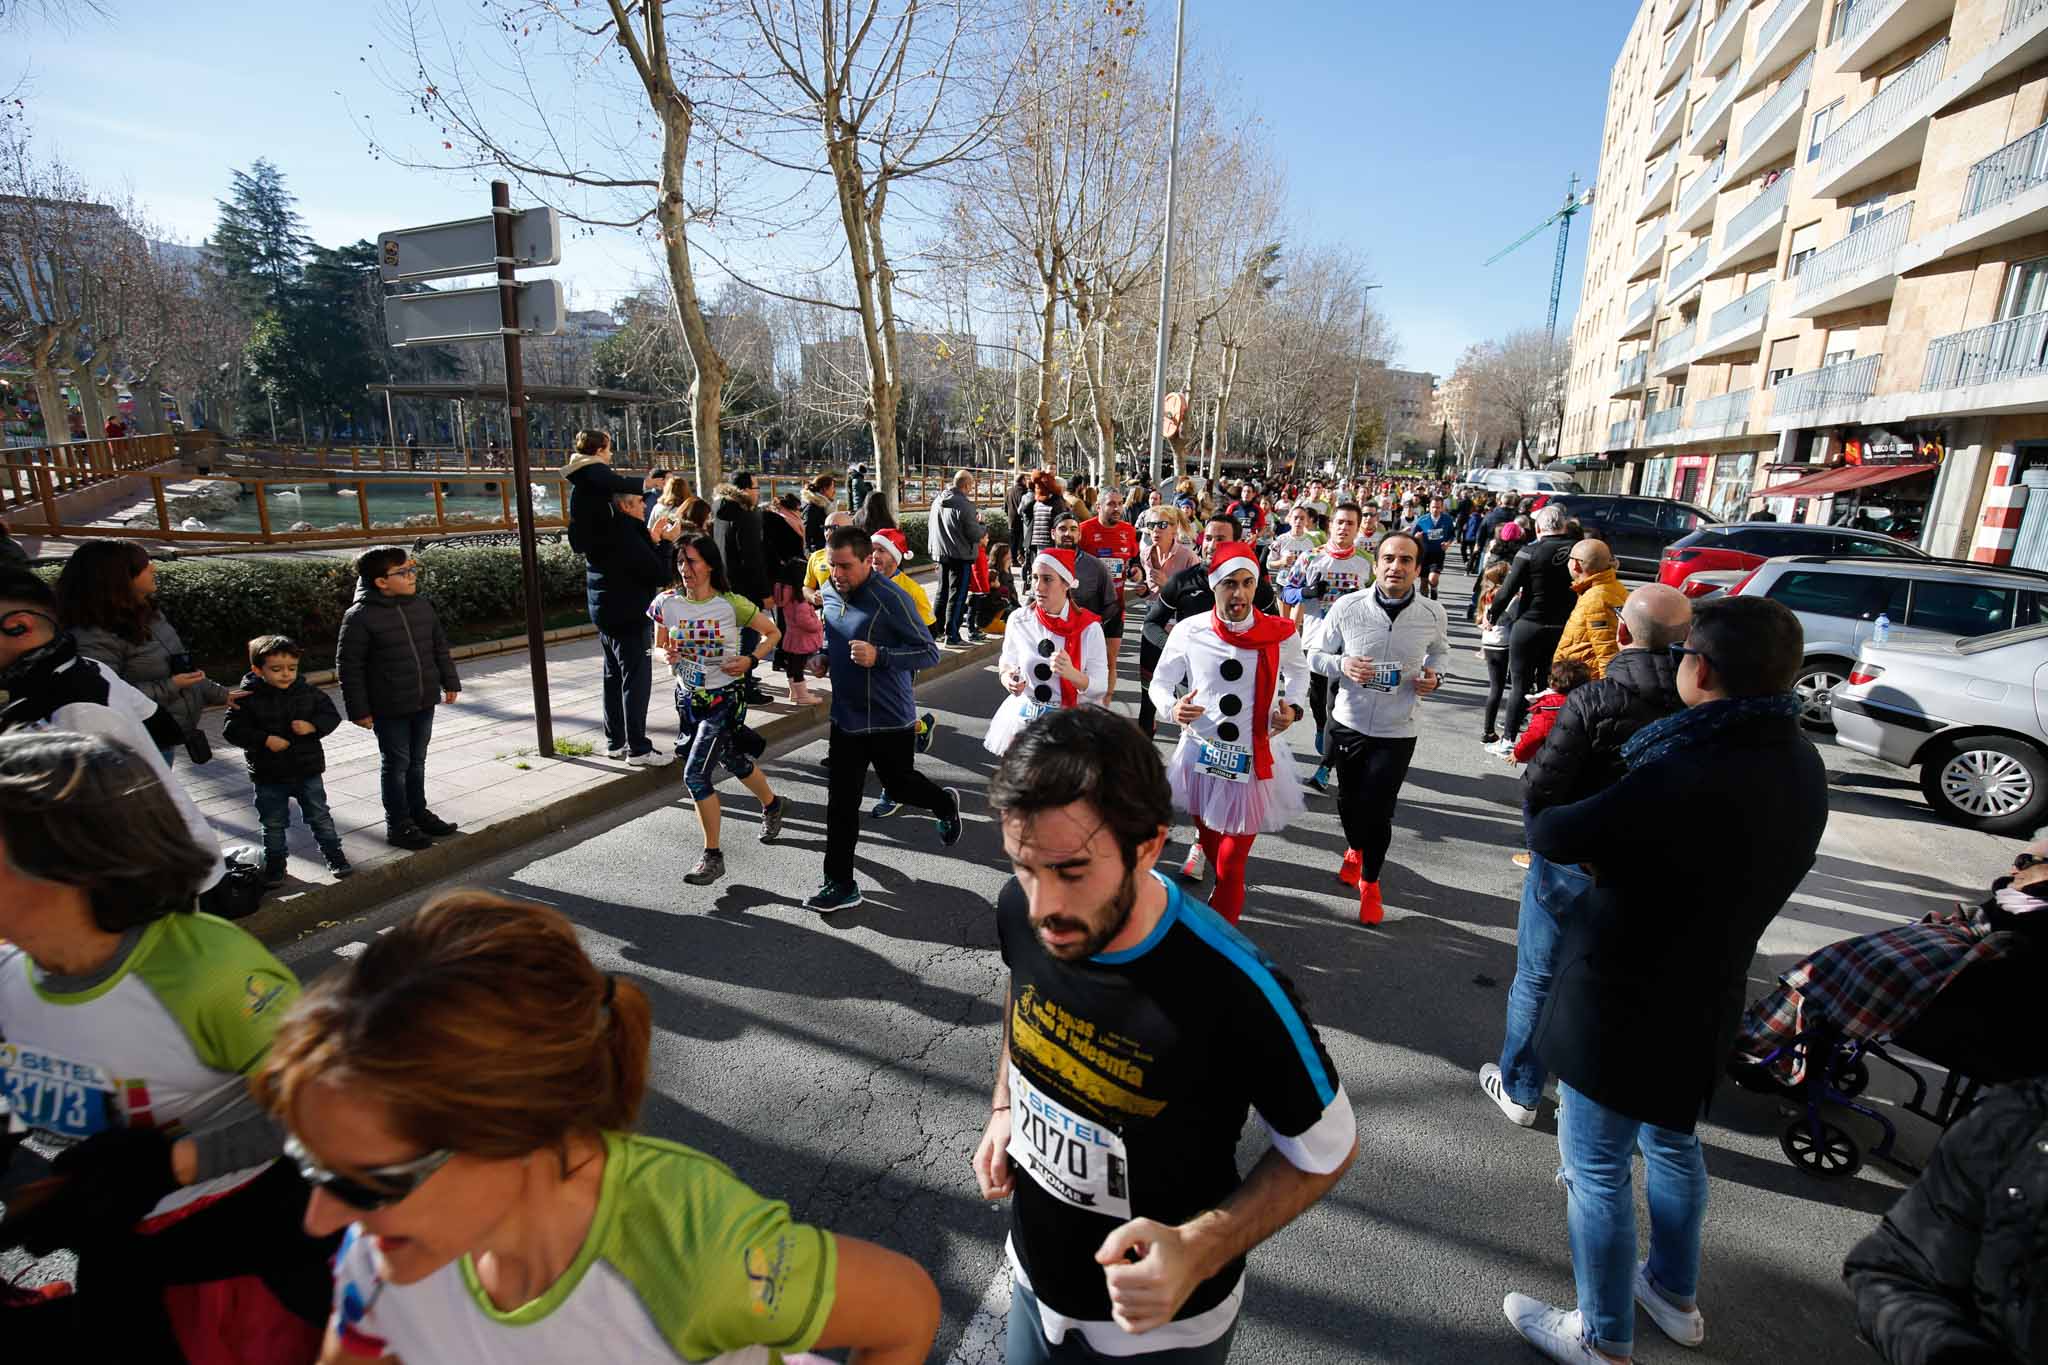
{"points": [[1821, 1149], [1853, 1079]]}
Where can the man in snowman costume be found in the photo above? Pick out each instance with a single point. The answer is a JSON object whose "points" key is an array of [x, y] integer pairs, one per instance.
{"points": [[1381, 649], [1246, 677], [1053, 654]]}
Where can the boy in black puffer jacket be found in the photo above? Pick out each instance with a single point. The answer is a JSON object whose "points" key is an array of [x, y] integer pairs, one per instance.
{"points": [[394, 665], [279, 724]]}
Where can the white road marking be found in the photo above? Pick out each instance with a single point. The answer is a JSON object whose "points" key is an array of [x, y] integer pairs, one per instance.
{"points": [[355, 950]]}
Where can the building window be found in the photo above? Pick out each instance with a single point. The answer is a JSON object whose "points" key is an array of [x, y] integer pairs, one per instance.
{"points": [[1823, 123], [1771, 382], [1866, 213], [2026, 289]]}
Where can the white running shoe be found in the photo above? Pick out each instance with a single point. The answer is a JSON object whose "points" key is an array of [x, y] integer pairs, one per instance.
{"points": [[1683, 1325], [1559, 1333], [653, 758], [1197, 866], [616, 751], [1489, 1081]]}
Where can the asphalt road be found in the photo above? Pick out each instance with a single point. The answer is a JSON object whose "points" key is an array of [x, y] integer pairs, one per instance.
{"points": [[843, 1064]]}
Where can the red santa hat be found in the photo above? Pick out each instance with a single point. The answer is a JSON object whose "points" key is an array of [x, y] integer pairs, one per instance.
{"points": [[894, 543], [1060, 562], [1231, 556]]}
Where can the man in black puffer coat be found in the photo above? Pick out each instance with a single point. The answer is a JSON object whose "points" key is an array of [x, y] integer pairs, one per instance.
{"points": [[1580, 758], [1542, 579], [1958, 1270]]}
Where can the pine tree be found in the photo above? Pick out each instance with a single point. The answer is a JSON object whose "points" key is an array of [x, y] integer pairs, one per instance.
{"points": [[260, 240]]}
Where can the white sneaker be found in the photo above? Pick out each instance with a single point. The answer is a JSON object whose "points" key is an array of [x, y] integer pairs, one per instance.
{"points": [[653, 758], [1505, 748], [1683, 1325], [1490, 1082], [1558, 1333], [1197, 866], [616, 751]]}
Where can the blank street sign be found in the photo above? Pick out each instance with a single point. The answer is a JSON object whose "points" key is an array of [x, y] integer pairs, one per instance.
{"points": [[468, 247], [470, 314]]}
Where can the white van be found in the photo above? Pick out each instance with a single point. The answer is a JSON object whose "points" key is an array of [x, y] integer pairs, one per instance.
{"points": [[1527, 481]]}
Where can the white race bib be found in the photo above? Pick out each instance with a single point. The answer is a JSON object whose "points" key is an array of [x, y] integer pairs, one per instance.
{"points": [[1385, 677], [1074, 1160], [1231, 762]]}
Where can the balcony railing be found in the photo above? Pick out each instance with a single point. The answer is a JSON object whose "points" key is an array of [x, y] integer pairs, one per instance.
{"points": [[1641, 306], [1790, 94], [2016, 167], [1881, 116], [1852, 17], [1758, 209], [1875, 243], [1674, 347], [1650, 243], [1621, 433], [2017, 12], [1660, 171], [1850, 381], [2014, 349], [1629, 374], [1678, 35], [1703, 185], [1718, 101], [1726, 410], [1687, 270], [1664, 109], [1731, 15], [1744, 310], [1775, 25], [1662, 423]]}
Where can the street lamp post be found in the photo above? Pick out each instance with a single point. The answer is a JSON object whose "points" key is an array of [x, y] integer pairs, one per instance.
{"points": [[1166, 270], [1357, 373]]}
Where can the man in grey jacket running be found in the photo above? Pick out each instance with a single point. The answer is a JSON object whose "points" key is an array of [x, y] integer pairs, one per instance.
{"points": [[1381, 648]]}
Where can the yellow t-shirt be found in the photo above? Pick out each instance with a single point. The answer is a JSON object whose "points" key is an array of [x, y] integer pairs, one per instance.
{"points": [[917, 595], [817, 573]]}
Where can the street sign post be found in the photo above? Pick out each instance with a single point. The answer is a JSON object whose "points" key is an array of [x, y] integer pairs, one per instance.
{"points": [[439, 315], [504, 240], [468, 247]]}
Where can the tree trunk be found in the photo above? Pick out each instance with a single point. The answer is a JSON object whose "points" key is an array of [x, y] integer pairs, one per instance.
{"points": [[89, 402], [708, 387], [860, 215], [50, 398], [1043, 423]]}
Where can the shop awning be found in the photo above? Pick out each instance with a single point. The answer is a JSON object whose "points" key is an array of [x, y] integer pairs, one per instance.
{"points": [[1840, 480]]}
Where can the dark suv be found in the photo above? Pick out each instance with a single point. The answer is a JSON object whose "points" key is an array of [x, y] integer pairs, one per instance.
{"points": [[1746, 544], [1636, 529]]}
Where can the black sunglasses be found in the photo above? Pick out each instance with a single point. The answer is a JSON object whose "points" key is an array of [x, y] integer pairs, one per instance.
{"points": [[1680, 650], [2027, 860], [393, 1183]]}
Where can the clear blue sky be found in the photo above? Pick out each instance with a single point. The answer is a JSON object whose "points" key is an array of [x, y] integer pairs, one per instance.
{"points": [[1426, 135]]}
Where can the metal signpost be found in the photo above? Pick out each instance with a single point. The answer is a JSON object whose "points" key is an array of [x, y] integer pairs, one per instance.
{"points": [[505, 240]]}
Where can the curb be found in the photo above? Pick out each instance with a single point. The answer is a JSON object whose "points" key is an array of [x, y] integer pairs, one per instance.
{"points": [[296, 913]]}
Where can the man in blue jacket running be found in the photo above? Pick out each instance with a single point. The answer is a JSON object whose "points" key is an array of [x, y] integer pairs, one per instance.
{"points": [[875, 642]]}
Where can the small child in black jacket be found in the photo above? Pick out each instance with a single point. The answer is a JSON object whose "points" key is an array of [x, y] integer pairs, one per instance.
{"points": [[279, 726]]}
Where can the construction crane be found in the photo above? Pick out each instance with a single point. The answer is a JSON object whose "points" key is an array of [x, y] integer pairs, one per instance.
{"points": [[1573, 202]]}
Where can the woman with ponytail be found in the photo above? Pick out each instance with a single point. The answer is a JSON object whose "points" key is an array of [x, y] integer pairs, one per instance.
{"points": [[461, 1098]]}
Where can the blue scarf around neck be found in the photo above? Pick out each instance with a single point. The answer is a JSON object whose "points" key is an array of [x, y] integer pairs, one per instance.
{"points": [[1698, 724]]}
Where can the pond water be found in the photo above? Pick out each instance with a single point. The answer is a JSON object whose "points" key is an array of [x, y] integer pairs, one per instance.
{"points": [[390, 505]]}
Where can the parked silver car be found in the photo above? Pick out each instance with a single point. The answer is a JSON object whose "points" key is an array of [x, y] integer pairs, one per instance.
{"points": [[1838, 600], [1969, 714]]}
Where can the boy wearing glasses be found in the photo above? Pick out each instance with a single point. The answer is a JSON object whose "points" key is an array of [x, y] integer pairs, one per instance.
{"points": [[394, 666]]}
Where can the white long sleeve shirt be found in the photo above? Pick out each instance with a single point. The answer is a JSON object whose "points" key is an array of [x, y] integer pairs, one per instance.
{"points": [[1401, 647]]}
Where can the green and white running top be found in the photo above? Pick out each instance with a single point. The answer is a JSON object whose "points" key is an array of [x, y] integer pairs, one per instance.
{"points": [[682, 1263], [705, 632], [165, 1037]]}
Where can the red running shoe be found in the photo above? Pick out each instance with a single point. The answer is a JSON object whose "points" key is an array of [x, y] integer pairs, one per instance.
{"points": [[1370, 909], [1348, 874]]}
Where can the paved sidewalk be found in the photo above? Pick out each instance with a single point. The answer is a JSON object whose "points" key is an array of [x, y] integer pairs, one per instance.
{"points": [[483, 772]]}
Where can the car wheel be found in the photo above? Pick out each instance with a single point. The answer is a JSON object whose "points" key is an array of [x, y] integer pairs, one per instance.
{"points": [[1816, 686], [1990, 782]]}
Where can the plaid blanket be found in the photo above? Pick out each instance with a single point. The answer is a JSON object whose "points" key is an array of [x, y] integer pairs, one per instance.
{"points": [[1868, 988]]}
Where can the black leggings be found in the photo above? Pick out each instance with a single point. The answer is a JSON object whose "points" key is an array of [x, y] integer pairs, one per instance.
{"points": [[1496, 685], [1369, 777], [1319, 705], [1530, 647], [1148, 659], [117, 1311]]}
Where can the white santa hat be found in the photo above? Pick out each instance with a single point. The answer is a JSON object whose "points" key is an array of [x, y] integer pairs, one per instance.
{"points": [[1060, 562], [1231, 556]]}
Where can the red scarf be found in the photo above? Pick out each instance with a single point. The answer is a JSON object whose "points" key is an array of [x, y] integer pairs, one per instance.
{"points": [[1264, 634], [1069, 630]]}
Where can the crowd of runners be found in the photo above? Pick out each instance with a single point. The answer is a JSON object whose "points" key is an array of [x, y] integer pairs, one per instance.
{"points": [[430, 1154]]}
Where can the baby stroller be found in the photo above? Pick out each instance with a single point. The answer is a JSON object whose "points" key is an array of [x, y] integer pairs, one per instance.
{"points": [[1977, 1027]]}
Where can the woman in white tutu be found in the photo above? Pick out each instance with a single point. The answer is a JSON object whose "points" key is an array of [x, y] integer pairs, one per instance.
{"points": [[1053, 652], [1246, 677]]}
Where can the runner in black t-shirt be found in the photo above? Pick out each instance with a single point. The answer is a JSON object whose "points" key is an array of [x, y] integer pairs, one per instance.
{"points": [[1139, 1032]]}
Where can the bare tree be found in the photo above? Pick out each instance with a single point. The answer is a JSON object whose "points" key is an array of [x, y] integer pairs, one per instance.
{"points": [[1522, 377], [502, 125], [53, 239]]}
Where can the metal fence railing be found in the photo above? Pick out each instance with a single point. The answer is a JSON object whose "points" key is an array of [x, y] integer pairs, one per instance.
{"points": [[1675, 347], [1726, 410], [1703, 185], [1848, 381], [1650, 243], [2017, 12], [1770, 201], [1853, 16], [1790, 94], [1881, 116], [1662, 423], [1875, 244], [1775, 25], [1743, 311], [1630, 373], [1640, 307], [1731, 15], [1620, 434], [2016, 167], [1688, 269], [2016, 348], [1680, 34], [1717, 103]]}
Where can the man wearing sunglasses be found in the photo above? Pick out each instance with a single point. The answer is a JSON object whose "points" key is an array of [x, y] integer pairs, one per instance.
{"points": [[1651, 969]]}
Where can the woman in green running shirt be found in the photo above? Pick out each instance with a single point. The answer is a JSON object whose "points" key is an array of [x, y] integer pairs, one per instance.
{"points": [[461, 1098]]}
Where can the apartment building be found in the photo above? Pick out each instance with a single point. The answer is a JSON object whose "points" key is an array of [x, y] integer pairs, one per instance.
{"points": [[1818, 275]]}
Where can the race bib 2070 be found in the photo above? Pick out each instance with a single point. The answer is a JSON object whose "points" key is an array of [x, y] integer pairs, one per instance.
{"points": [[1073, 1159]]}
